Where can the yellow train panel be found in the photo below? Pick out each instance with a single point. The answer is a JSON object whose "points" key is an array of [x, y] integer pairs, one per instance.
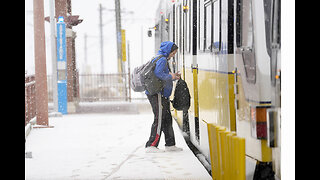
{"points": [[216, 99], [189, 81]]}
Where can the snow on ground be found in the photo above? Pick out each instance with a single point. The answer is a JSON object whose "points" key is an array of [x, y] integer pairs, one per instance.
{"points": [[106, 146]]}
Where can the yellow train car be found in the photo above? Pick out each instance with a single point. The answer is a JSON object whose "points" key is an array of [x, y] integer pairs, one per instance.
{"points": [[229, 55]]}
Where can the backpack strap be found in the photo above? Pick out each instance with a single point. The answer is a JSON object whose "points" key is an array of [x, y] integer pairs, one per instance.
{"points": [[167, 64], [157, 58]]}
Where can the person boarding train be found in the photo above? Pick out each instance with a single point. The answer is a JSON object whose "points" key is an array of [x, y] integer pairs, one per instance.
{"points": [[160, 102]]}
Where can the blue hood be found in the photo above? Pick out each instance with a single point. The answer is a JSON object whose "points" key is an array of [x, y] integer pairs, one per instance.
{"points": [[162, 70], [165, 48]]}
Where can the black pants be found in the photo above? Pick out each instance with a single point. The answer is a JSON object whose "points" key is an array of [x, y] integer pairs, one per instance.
{"points": [[165, 123]]}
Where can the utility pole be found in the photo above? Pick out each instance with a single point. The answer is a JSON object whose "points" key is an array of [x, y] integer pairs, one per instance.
{"points": [[40, 63], [118, 34], [101, 37]]}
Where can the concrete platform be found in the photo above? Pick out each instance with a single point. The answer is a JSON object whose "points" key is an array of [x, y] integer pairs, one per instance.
{"points": [[106, 146]]}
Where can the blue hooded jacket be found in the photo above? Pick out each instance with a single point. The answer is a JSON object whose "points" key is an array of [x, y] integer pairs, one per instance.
{"points": [[162, 70]]}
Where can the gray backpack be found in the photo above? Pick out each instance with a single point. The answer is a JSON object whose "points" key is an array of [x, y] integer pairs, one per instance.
{"points": [[144, 74]]}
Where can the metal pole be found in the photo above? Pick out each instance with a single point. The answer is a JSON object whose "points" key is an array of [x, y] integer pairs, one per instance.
{"points": [[118, 34], [53, 56], [129, 71], [40, 63], [101, 37]]}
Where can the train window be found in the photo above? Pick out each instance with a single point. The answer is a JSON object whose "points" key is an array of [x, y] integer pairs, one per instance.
{"points": [[276, 22], [162, 33], [170, 26], [210, 36], [194, 26], [216, 24], [174, 24], [177, 26], [186, 29], [180, 29], [246, 25], [189, 26], [248, 53], [267, 16], [157, 34], [200, 26], [167, 21], [238, 23], [177, 37], [275, 39], [207, 26]]}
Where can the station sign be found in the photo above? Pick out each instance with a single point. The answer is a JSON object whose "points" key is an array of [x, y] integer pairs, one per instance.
{"points": [[62, 66]]}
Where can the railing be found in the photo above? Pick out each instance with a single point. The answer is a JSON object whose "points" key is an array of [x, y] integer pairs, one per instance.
{"points": [[99, 87], [104, 87], [92, 87], [30, 98]]}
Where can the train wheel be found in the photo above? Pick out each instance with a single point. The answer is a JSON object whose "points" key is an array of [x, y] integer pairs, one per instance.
{"points": [[185, 126], [263, 171]]}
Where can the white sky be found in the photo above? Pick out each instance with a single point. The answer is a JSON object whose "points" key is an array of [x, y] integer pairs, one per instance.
{"points": [[144, 12]]}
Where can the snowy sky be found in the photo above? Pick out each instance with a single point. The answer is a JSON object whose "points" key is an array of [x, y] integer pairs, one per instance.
{"points": [[141, 19]]}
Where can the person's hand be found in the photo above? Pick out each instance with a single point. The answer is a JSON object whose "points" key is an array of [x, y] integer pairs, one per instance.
{"points": [[178, 75], [175, 75]]}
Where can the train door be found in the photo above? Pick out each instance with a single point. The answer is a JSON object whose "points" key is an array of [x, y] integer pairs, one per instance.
{"points": [[184, 34], [186, 51], [191, 70], [194, 66]]}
